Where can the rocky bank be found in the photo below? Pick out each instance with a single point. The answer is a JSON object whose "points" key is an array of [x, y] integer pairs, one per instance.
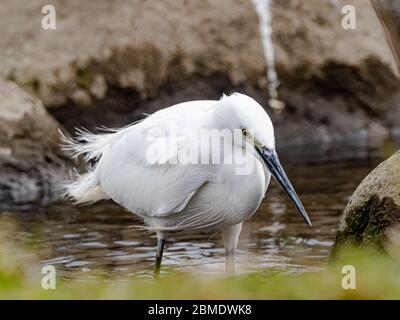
{"points": [[108, 62], [126, 57]]}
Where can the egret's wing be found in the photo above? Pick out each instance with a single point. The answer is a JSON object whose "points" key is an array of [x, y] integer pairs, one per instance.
{"points": [[143, 180]]}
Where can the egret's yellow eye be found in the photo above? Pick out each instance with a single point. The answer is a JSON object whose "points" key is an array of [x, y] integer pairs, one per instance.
{"points": [[245, 133]]}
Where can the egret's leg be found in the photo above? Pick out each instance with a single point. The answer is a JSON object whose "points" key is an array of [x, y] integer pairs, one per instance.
{"points": [[159, 253], [230, 236]]}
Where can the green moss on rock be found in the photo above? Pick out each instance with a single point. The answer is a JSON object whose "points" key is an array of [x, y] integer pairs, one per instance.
{"points": [[84, 77], [366, 224]]}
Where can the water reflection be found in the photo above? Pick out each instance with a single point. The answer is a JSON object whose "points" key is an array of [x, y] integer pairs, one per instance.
{"points": [[102, 237]]}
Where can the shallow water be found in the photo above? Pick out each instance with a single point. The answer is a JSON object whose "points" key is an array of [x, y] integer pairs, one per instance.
{"points": [[102, 238]]}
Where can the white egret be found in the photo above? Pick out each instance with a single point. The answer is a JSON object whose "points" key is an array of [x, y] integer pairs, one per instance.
{"points": [[138, 167]]}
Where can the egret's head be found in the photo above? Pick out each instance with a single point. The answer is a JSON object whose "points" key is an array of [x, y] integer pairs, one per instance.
{"points": [[244, 113], [248, 116]]}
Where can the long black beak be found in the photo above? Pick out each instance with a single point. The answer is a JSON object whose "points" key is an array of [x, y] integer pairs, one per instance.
{"points": [[272, 162]]}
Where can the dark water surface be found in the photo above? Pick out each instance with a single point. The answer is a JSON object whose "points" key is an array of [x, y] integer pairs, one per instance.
{"points": [[102, 237]]}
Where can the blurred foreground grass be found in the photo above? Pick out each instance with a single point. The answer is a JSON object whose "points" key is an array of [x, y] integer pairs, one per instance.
{"points": [[377, 277]]}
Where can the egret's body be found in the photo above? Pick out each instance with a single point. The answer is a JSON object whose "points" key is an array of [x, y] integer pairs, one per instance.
{"points": [[174, 196]]}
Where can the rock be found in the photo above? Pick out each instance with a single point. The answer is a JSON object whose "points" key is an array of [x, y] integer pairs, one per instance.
{"points": [[392, 8], [139, 56], [372, 216], [30, 163]]}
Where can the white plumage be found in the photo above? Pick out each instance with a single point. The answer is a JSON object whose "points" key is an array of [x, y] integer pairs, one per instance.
{"points": [[139, 168]]}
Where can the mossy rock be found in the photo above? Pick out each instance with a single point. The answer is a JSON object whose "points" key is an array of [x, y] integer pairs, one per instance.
{"points": [[372, 216]]}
